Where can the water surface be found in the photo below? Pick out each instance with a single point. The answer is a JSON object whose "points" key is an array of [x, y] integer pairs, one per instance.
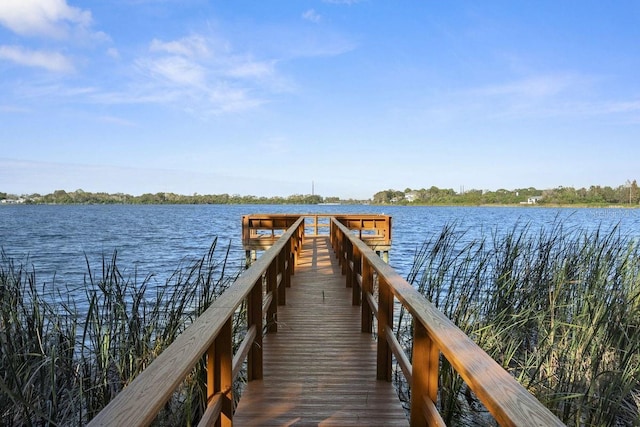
{"points": [[58, 240]]}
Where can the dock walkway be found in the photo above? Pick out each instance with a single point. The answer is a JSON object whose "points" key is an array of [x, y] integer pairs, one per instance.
{"points": [[319, 369]]}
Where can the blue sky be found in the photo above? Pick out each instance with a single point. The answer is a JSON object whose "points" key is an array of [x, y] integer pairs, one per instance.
{"points": [[264, 98]]}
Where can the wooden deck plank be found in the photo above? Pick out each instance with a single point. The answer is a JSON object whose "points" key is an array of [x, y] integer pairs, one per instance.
{"points": [[319, 369]]}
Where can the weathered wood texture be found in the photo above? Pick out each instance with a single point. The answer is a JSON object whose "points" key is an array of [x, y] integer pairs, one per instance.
{"points": [[319, 369]]}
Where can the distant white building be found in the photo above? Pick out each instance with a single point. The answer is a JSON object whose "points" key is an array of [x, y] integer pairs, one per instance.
{"points": [[531, 200], [411, 196], [12, 201]]}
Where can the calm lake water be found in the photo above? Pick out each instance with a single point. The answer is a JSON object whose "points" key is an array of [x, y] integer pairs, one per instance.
{"points": [[57, 241]]}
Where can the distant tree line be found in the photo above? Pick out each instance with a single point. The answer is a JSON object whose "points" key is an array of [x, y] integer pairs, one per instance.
{"points": [[84, 197], [627, 194]]}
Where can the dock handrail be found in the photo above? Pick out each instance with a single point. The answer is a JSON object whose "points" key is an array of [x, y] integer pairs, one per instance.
{"points": [[260, 231], [434, 334], [211, 335]]}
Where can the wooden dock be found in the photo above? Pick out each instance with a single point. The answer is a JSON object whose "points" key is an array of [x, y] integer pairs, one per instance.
{"points": [[319, 369], [318, 363]]}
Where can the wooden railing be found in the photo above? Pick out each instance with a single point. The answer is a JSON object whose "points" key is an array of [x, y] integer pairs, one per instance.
{"points": [[260, 231], [210, 336], [434, 335]]}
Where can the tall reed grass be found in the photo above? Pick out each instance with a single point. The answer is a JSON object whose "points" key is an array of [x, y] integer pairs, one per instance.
{"points": [[559, 308], [63, 360]]}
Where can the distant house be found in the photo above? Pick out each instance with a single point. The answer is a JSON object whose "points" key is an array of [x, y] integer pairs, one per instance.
{"points": [[531, 200], [12, 201], [411, 196]]}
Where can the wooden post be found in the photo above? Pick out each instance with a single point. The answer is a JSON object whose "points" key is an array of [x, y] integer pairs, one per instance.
{"points": [[344, 242], [385, 319], [357, 270], [367, 288], [272, 287], [254, 318], [286, 266], [424, 384], [347, 268], [219, 373], [245, 228], [282, 288], [247, 259]]}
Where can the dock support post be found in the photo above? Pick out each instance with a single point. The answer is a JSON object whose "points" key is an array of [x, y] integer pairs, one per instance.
{"points": [[249, 257]]}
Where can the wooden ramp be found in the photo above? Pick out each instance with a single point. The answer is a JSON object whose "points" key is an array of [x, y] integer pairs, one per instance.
{"points": [[319, 369]]}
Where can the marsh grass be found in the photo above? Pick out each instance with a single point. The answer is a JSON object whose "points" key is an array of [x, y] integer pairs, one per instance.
{"points": [[64, 360], [558, 308]]}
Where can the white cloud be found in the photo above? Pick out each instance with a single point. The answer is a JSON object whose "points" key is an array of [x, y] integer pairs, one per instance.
{"points": [[193, 47], [14, 109], [247, 68], [117, 121], [311, 15], [52, 61], [203, 75], [50, 18], [347, 2], [534, 87], [176, 69], [113, 53]]}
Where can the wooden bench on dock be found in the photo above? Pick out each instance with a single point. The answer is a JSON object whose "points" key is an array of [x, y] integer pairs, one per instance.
{"points": [[321, 300]]}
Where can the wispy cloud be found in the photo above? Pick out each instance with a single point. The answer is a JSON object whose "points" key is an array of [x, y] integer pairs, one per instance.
{"points": [[311, 15], [562, 96], [174, 69], [14, 109], [117, 121], [49, 18], [277, 144], [531, 87], [347, 2], [52, 61], [194, 46], [204, 74]]}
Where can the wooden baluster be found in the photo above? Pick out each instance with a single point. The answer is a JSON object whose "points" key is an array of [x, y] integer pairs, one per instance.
{"points": [[292, 256], [357, 270], [254, 318], [286, 266], [367, 288], [219, 373], [385, 319], [280, 271], [344, 252], [272, 287], [348, 266]]}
